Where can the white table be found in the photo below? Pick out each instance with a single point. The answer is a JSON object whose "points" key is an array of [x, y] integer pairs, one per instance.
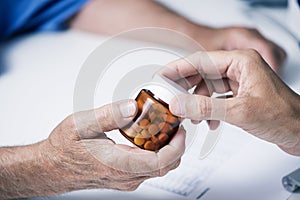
{"points": [[37, 83]]}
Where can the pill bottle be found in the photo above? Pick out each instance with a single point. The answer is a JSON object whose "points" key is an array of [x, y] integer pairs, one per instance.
{"points": [[154, 125]]}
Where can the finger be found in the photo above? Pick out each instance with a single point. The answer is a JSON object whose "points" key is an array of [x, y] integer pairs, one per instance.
{"points": [[218, 86], [201, 89], [213, 124], [179, 69], [172, 152], [211, 65], [196, 121], [189, 82], [171, 167], [207, 87], [272, 53], [91, 124], [197, 107], [138, 161], [127, 185], [234, 86]]}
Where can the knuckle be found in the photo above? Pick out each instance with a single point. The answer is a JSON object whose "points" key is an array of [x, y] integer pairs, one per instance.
{"points": [[69, 121], [249, 57], [249, 54], [67, 126], [105, 118]]}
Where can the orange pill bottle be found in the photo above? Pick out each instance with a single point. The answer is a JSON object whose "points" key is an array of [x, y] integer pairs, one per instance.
{"points": [[154, 125]]}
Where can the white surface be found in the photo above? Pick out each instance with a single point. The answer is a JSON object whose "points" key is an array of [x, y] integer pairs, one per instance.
{"points": [[37, 91], [293, 14]]}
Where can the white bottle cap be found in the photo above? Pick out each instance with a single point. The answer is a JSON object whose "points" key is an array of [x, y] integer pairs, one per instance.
{"points": [[163, 88]]}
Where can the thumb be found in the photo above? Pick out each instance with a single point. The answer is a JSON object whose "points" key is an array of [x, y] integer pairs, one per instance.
{"points": [[198, 107], [91, 124]]}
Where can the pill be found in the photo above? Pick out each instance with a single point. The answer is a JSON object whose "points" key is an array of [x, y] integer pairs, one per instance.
{"points": [[154, 139], [131, 132], [152, 116], [153, 129], [144, 123], [163, 117], [163, 137], [145, 133], [164, 127], [136, 128], [170, 119], [149, 145], [139, 141]]}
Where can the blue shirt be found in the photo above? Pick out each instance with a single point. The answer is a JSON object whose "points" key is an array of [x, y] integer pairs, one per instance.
{"points": [[21, 16]]}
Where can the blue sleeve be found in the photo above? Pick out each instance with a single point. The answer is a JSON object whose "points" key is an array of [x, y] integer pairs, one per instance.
{"points": [[21, 16]]}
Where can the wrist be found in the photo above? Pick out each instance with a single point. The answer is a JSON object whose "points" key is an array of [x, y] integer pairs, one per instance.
{"points": [[293, 126]]}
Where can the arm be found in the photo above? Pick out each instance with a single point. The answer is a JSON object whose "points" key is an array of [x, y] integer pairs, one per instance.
{"points": [[114, 16], [25, 172], [261, 104], [78, 155]]}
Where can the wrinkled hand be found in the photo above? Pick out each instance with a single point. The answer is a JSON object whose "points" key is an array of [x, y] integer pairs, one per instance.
{"points": [[232, 38], [82, 157], [261, 104]]}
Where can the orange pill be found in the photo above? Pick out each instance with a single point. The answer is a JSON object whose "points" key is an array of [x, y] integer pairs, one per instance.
{"points": [[163, 137], [131, 132], [136, 128], [170, 119], [149, 145], [145, 134], [161, 125], [163, 117], [154, 139], [139, 141], [144, 123], [152, 116], [164, 127], [153, 129]]}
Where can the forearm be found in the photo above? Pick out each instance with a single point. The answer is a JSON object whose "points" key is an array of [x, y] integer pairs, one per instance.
{"points": [[114, 16], [25, 172]]}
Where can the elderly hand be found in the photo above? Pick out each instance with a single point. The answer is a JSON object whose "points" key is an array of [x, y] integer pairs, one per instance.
{"points": [[78, 155], [232, 38], [261, 104], [79, 146]]}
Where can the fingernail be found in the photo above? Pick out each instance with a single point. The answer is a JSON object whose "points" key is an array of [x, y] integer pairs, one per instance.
{"points": [[176, 106], [213, 125], [128, 109]]}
